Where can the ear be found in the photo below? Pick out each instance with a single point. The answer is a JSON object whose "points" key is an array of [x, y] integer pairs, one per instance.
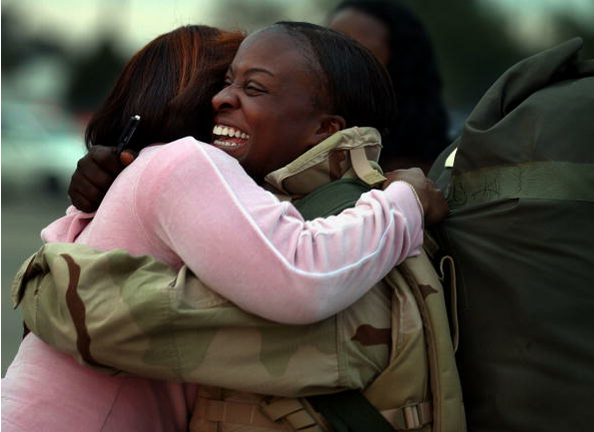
{"points": [[329, 124]]}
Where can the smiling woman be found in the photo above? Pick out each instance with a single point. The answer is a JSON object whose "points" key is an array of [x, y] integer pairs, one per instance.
{"points": [[295, 71], [269, 96]]}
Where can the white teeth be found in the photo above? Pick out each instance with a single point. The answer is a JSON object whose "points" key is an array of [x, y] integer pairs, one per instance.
{"points": [[229, 131], [225, 143]]}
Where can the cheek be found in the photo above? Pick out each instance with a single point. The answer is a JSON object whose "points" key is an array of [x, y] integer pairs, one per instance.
{"points": [[279, 134]]}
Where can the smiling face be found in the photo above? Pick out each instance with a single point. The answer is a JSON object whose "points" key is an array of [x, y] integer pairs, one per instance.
{"points": [[266, 115]]}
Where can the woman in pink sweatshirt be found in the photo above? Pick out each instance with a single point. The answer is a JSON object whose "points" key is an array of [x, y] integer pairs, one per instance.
{"points": [[189, 202]]}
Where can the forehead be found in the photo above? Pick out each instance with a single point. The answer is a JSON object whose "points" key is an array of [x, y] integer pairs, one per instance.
{"points": [[360, 25], [368, 30], [274, 50]]}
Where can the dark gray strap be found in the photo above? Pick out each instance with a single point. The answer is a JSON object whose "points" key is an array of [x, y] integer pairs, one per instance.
{"points": [[538, 180], [350, 411]]}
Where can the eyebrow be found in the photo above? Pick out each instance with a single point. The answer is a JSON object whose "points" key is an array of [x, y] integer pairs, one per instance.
{"points": [[253, 70]]}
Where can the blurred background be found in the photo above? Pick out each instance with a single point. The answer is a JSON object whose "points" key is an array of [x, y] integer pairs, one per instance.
{"points": [[61, 57]]}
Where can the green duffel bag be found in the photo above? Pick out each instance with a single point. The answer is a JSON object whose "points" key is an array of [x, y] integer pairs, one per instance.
{"points": [[520, 184]]}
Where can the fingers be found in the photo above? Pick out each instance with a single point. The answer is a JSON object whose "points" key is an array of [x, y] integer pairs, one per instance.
{"points": [[414, 176], [438, 208], [432, 199], [84, 194], [94, 174], [103, 158], [127, 157]]}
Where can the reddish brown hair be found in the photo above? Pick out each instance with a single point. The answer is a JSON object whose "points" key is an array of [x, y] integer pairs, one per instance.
{"points": [[169, 83]]}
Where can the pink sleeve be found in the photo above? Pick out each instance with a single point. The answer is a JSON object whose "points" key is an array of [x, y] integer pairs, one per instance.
{"points": [[259, 252], [67, 228]]}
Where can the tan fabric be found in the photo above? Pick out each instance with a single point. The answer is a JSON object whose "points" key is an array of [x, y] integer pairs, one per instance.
{"points": [[328, 161], [222, 410]]}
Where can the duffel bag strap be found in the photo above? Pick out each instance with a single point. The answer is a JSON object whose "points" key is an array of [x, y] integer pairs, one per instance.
{"points": [[301, 417], [350, 411], [448, 261]]}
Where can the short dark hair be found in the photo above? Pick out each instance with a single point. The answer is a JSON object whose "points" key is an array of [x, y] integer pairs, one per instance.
{"points": [[353, 83], [169, 83], [421, 128]]}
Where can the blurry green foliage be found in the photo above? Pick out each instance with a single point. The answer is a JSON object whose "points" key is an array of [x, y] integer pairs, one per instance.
{"points": [[473, 44], [247, 15], [94, 73], [18, 49]]}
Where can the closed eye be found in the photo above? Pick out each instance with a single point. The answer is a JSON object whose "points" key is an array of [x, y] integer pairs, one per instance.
{"points": [[249, 87], [252, 89]]}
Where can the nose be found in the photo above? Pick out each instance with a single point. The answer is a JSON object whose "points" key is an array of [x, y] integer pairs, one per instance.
{"points": [[225, 99]]}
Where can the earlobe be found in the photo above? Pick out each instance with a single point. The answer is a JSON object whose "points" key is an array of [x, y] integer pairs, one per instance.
{"points": [[329, 125]]}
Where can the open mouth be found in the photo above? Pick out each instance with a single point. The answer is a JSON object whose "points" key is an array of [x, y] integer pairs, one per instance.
{"points": [[227, 136]]}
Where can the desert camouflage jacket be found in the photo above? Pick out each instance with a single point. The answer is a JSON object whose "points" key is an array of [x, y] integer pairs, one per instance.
{"points": [[134, 315]]}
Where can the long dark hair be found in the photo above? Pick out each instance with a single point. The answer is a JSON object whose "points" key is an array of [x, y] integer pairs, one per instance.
{"points": [[421, 128], [352, 82], [169, 83]]}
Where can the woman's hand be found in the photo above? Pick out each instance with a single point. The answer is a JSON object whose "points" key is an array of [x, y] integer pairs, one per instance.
{"points": [[431, 198], [94, 174]]}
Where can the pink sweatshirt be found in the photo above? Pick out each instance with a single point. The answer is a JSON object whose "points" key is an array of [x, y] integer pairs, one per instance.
{"points": [[188, 202]]}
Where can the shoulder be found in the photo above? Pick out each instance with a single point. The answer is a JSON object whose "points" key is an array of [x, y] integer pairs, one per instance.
{"points": [[184, 165], [176, 150], [184, 152]]}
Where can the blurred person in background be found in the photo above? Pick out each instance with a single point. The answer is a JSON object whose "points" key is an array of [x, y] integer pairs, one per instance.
{"points": [[283, 106], [399, 40]]}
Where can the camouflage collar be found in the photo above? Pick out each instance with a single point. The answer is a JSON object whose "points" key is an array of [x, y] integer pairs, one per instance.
{"points": [[350, 153]]}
